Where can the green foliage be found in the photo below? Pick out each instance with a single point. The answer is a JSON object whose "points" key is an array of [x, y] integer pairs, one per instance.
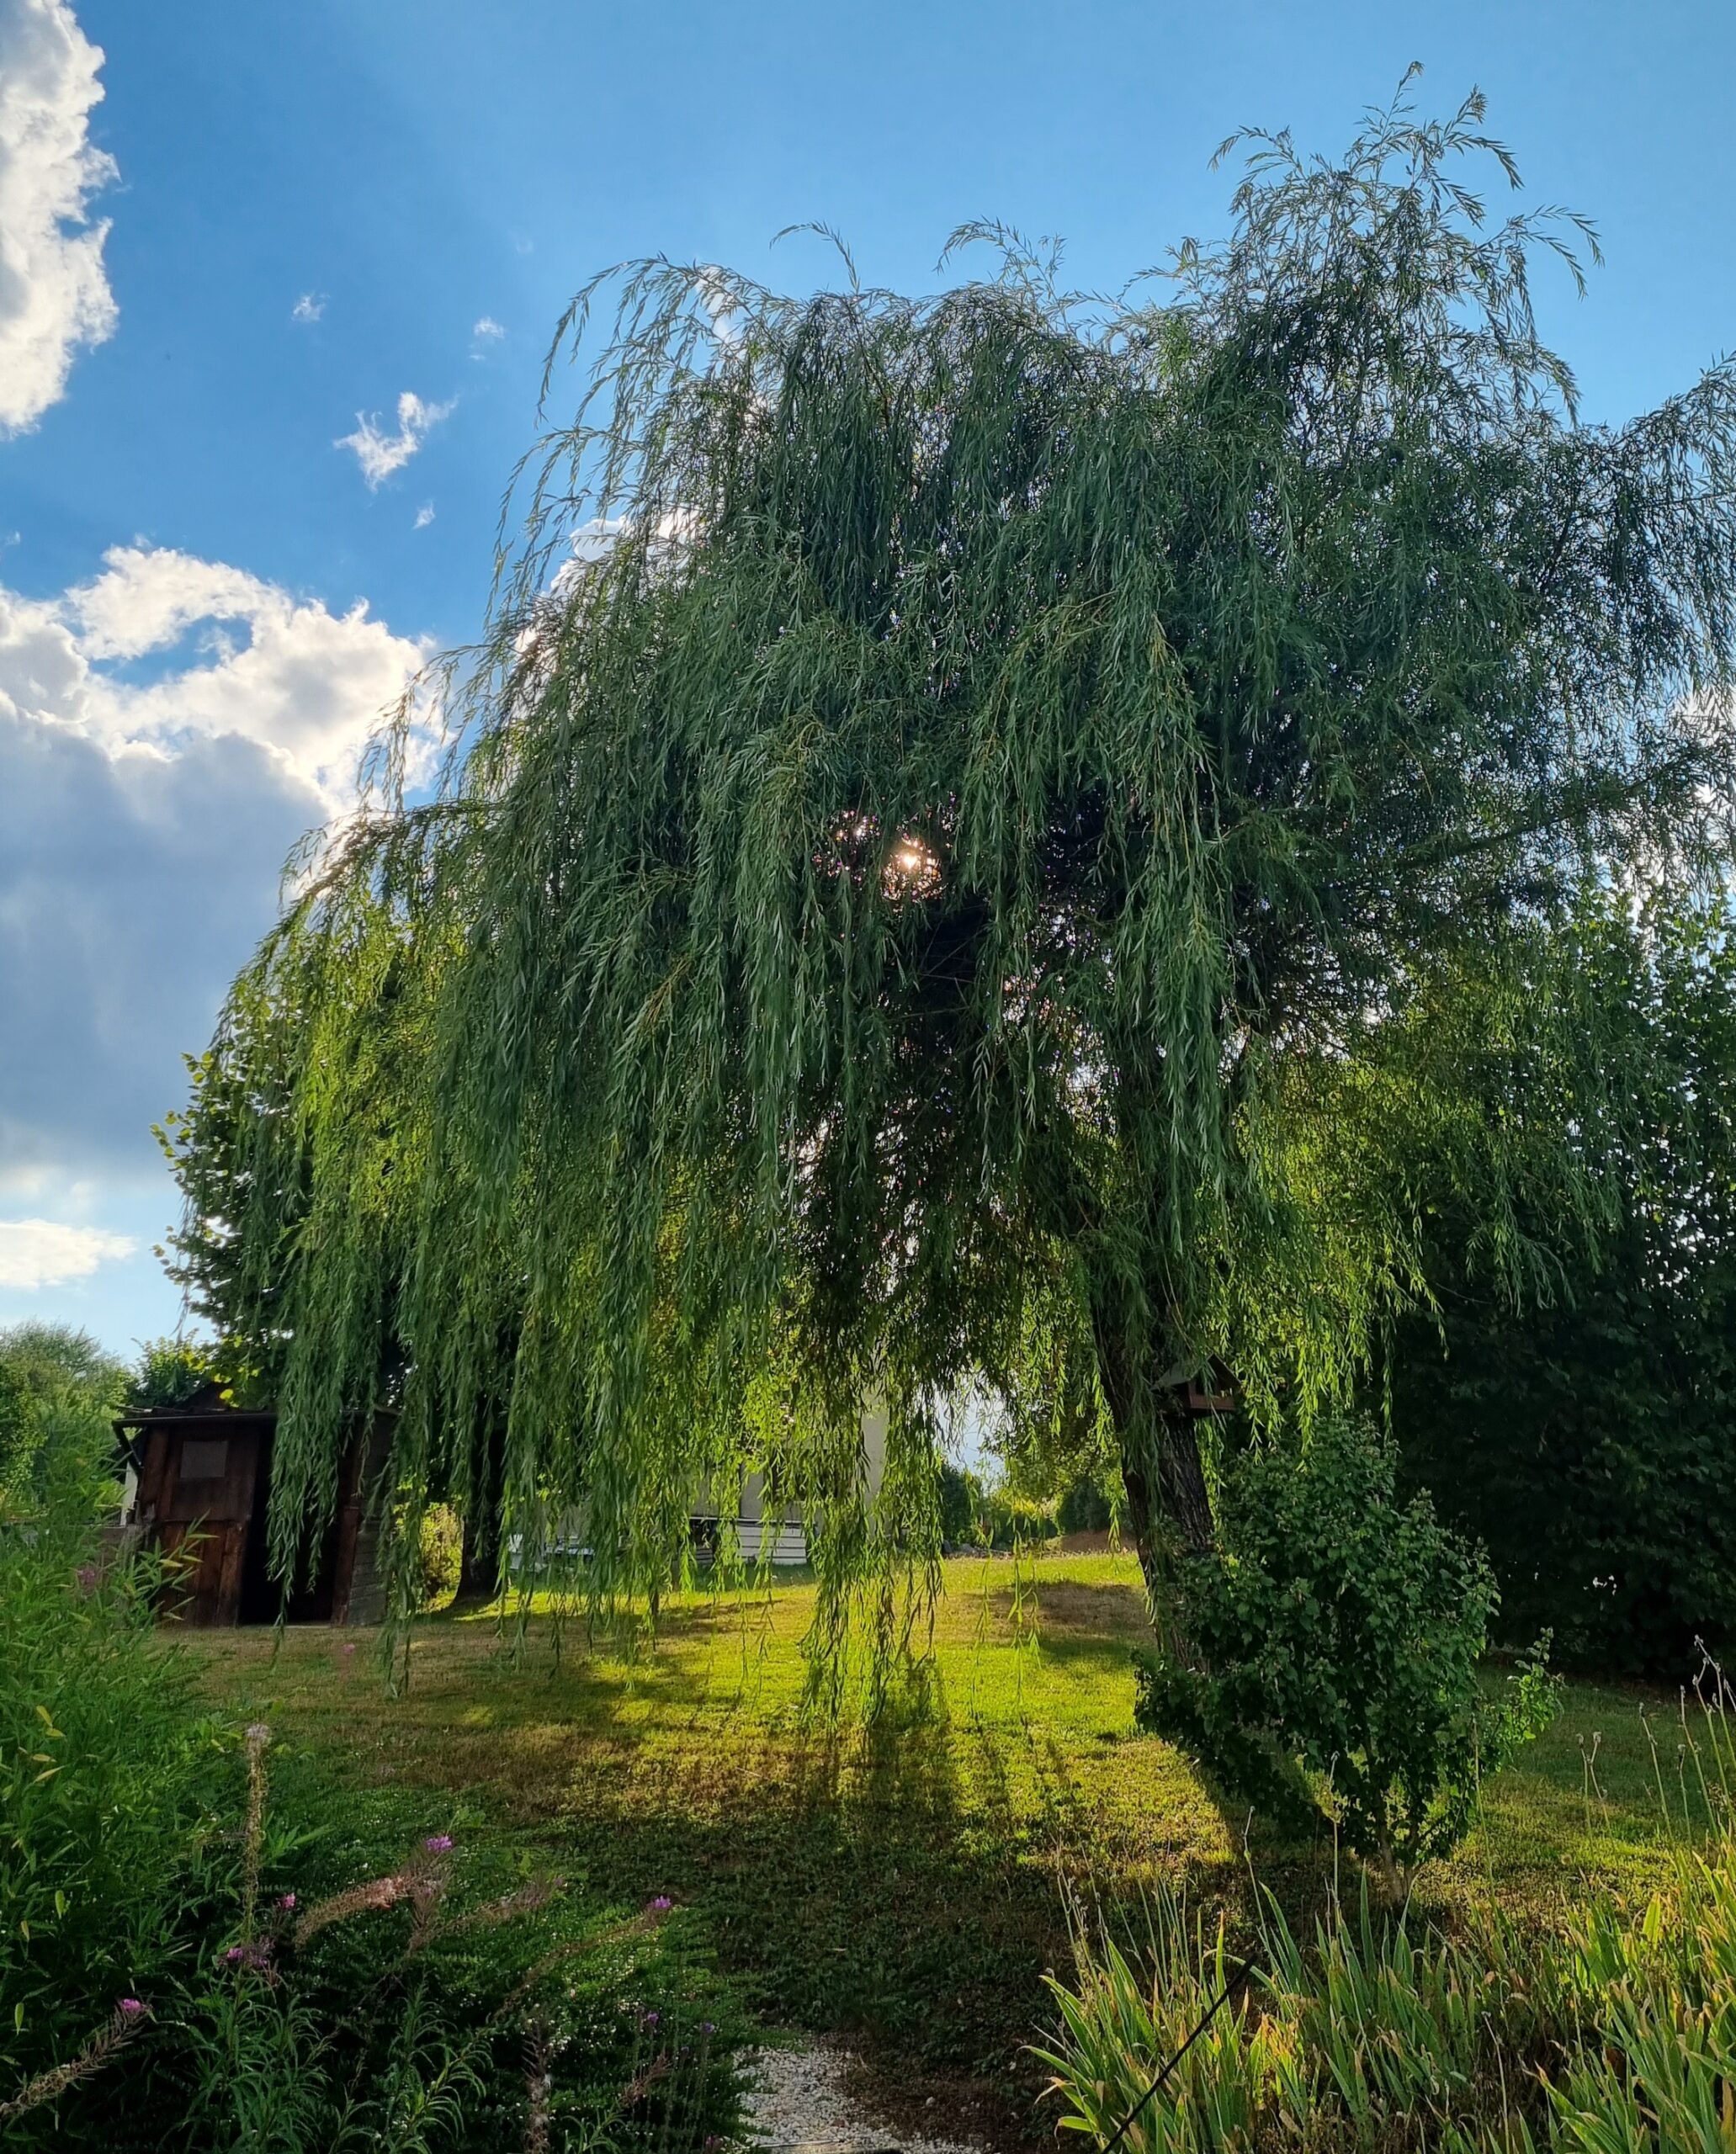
{"points": [[58, 1391], [1087, 1506], [975, 1513], [441, 1546], [1663, 1993], [962, 1498], [108, 1800], [1374, 2037], [1587, 1434], [1613, 2033], [912, 896], [187, 1959], [374, 1985], [18, 1433], [169, 1371], [1338, 1633]]}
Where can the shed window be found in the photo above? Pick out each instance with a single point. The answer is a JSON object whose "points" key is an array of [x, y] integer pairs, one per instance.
{"points": [[206, 1460]]}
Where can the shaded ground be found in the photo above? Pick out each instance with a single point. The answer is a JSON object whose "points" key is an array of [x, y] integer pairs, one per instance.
{"points": [[908, 1893]]}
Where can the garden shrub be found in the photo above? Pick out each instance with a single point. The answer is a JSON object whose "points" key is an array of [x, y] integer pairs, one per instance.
{"points": [[1338, 1633], [1613, 2033], [58, 1391], [203, 1945], [439, 1552], [108, 1796], [1086, 1505], [169, 1371], [375, 1983], [961, 1505]]}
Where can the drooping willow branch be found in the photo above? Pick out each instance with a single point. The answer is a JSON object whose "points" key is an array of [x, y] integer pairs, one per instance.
{"points": [[935, 849]]}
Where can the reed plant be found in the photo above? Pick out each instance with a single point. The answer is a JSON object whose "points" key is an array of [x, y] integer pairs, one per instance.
{"points": [[1612, 2033]]}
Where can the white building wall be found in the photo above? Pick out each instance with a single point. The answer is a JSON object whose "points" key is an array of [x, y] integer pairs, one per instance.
{"points": [[790, 1541]]}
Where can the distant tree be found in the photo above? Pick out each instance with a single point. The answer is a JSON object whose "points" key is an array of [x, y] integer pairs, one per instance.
{"points": [[963, 1505], [914, 883], [47, 1354], [1588, 1436], [58, 1388]]}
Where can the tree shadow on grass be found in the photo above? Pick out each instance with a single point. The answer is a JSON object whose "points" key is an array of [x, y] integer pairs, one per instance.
{"points": [[905, 1885]]}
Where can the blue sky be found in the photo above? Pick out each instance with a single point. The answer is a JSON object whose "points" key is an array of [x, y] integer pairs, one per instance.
{"points": [[233, 239]]}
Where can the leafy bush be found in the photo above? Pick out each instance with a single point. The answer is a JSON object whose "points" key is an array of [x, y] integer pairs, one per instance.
{"points": [[1617, 2034], [109, 1798], [1339, 1634], [440, 1551], [1086, 1506], [377, 1984], [961, 1504], [169, 1371], [189, 1957], [58, 1391], [976, 1514]]}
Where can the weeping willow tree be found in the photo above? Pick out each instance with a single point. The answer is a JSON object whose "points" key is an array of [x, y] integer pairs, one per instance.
{"points": [[952, 789]]}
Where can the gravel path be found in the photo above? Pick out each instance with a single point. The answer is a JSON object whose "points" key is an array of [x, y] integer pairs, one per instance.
{"points": [[799, 2099]]}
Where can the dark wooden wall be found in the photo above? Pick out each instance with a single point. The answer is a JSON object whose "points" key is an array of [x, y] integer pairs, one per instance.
{"points": [[204, 1484], [199, 1486]]}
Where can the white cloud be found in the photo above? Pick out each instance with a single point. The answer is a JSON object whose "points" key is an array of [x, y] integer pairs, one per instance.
{"points": [[36, 1253], [168, 729], [305, 685], [379, 454], [424, 516], [54, 292], [309, 307], [488, 327]]}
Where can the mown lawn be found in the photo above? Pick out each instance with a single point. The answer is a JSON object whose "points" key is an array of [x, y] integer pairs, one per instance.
{"points": [[908, 1889]]}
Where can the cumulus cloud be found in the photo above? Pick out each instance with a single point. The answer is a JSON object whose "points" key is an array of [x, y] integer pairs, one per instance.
{"points": [[488, 328], [304, 684], [168, 731], [309, 307], [379, 453], [36, 1253], [54, 292]]}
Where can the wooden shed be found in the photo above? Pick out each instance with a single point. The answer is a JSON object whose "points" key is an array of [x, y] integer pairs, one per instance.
{"points": [[203, 1478]]}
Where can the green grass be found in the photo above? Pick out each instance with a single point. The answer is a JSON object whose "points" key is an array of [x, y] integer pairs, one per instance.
{"points": [[908, 1889]]}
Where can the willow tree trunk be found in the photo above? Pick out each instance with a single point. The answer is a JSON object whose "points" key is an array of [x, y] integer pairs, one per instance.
{"points": [[478, 1565], [1169, 1505]]}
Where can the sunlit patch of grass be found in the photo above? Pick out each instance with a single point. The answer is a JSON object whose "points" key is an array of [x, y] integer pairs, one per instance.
{"points": [[905, 1885]]}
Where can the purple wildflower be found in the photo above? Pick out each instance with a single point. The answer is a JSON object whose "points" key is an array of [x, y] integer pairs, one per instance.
{"points": [[437, 1842], [232, 1955], [257, 1732], [287, 1902], [130, 2007], [660, 1905]]}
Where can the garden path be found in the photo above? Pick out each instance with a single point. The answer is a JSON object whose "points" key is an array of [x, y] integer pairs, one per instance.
{"points": [[799, 2102]]}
